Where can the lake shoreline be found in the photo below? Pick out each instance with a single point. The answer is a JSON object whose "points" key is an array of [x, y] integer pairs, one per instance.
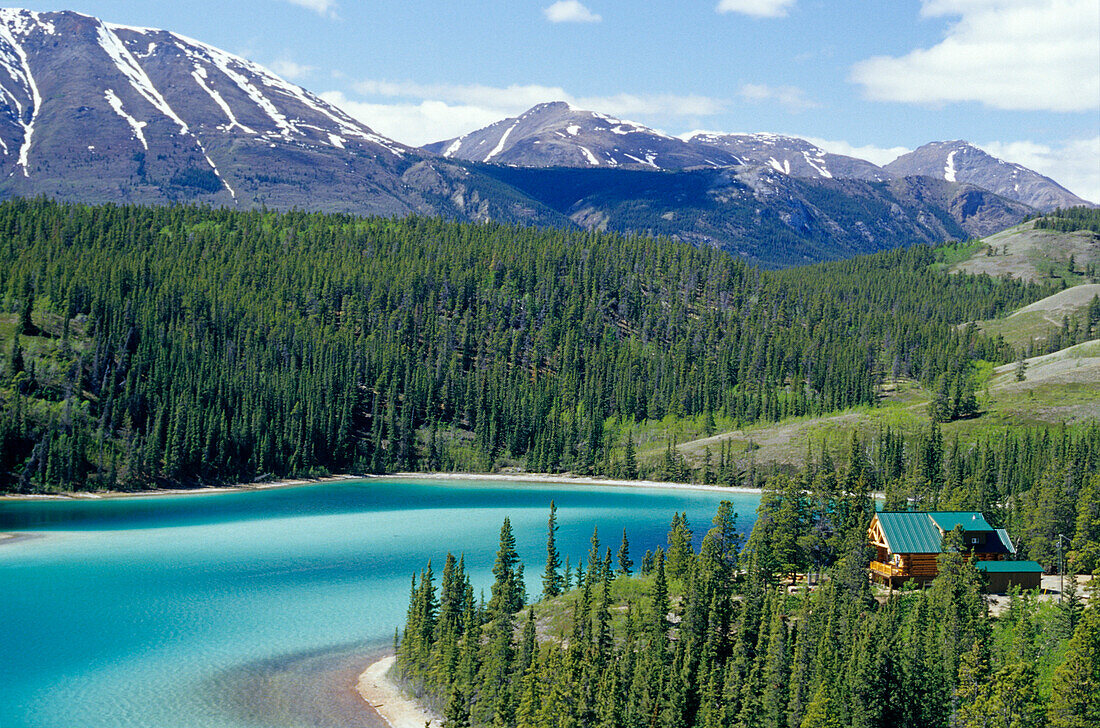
{"points": [[546, 478], [201, 490], [566, 479], [517, 478], [386, 699]]}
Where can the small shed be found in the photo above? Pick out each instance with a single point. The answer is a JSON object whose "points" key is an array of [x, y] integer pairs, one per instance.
{"points": [[1000, 576]]}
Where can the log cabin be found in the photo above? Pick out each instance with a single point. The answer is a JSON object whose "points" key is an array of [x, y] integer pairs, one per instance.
{"points": [[906, 544]]}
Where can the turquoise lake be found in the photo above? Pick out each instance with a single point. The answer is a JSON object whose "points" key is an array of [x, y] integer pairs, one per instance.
{"points": [[257, 608]]}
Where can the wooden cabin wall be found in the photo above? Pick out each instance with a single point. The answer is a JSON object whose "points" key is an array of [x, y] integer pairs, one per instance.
{"points": [[921, 567]]}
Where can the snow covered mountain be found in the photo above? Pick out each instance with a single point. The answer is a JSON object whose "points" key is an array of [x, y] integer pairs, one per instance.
{"points": [[560, 135], [97, 112], [959, 161], [789, 155]]}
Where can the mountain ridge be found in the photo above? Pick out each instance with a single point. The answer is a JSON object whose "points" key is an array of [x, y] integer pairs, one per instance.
{"points": [[557, 134], [97, 112], [102, 112]]}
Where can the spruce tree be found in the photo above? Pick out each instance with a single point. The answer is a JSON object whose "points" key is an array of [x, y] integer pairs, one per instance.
{"points": [[630, 459], [625, 564], [660, 599], [551, 577], [506, 593], [680, 553], [24, 325]]}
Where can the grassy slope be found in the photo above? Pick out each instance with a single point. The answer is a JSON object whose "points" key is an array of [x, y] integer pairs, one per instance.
{"points": [[1036, 321], [1060, 387], [44, 349], [1035, 255], [1024, 252]]}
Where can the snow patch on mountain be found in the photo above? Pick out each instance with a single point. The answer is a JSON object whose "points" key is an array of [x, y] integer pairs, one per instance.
{"points": [[500, 144], [17, 20], [135, 125], [200, 76], [818, 163], [129, 67], [217, 172], [949, 168]]}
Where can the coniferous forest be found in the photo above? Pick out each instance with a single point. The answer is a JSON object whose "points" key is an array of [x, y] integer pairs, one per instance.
{"points": [[716, 637], [184, 345]]}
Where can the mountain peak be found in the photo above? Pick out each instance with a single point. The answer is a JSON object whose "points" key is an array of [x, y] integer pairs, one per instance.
{"points": [[93, 112], [962, 162], [558, 134], [550, 107], [788, 155]]}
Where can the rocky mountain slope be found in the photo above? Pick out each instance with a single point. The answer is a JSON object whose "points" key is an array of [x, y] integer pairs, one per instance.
{"points": [[768, 217], [559, 135], [97, 112], [789, 155], [959, 161]]}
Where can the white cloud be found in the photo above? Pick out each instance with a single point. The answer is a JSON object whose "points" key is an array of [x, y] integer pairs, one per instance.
{"points": [[422, 113], [416, 123], [324, 8], [1074, 164], [520, 97], [870, 152], [1005, 54], [756, 8], [570, 11], [791, 98], [290, 69]]}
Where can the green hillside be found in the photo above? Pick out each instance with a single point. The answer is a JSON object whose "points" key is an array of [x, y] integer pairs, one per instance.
{"points": [[218, 346], [1062, 249], [1060, 388], [1029, 252]]}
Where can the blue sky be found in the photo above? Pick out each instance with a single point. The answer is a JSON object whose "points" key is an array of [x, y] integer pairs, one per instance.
{"points": [[1020, 78]]}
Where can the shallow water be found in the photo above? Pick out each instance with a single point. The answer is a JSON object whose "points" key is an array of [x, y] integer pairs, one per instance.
{"points": [[254, 608]]}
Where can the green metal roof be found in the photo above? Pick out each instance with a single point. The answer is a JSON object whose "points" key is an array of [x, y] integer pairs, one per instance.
{"points": [[910, 533], [1006, 541], [969, 520], [1008, 567]]}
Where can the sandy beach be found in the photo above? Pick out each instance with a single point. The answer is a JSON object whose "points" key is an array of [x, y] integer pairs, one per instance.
{"points": [[386, 699], [560, 479], [202, 490], [565, 479], [9, 538]]}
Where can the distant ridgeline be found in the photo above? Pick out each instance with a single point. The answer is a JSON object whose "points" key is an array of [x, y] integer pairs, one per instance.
{"points": [[185, 345], [714, 638]]}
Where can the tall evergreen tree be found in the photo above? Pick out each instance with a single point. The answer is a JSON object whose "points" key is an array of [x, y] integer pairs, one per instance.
{"points": [[552, 581], [625, 564]]}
